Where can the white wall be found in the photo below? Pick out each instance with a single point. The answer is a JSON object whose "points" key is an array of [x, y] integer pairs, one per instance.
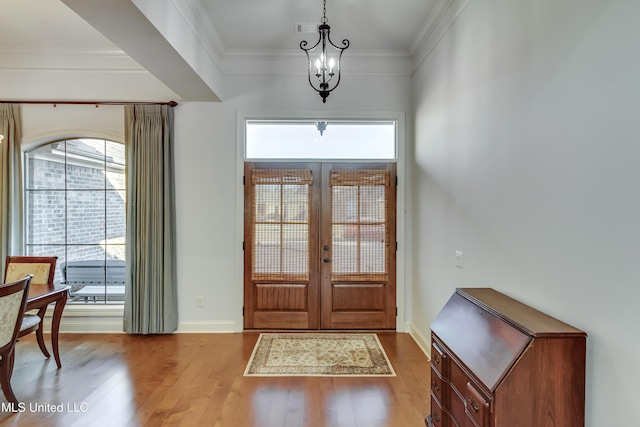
{"points": [[208, 182], [526, 159], [208, 172], [46, 122]]}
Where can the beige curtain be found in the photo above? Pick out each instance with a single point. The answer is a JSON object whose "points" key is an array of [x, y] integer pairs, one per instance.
{"points": [[151, 291], [11, 217]]}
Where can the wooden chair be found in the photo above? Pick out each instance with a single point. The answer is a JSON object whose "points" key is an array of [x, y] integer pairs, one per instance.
{"points": [[43, 270], [13, 300]]}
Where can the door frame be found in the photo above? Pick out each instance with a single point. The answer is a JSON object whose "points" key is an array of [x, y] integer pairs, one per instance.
{"points": [[403, 266]]}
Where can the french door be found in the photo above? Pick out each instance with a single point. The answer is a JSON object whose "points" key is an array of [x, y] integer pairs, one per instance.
{"points": [[320, 246]]}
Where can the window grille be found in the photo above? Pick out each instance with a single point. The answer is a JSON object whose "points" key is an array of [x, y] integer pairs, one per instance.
{"points": [[75, 194]]}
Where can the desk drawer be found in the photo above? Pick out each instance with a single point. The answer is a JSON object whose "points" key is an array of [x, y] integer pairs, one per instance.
{"points": [[436, 419], [458, 378], [437, 386], [477, 405], [438, 359], [465, 400]]}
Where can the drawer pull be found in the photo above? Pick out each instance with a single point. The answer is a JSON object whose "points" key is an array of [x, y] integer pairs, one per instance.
{"points": [[435, 386], [436, 359], [437, 417], [475, 400]]}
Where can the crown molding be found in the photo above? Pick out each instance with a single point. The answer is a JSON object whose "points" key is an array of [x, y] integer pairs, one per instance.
{"points": [[294, 62], [441, 18], [197, 19], [59, 58], [64, 49], [298, 53]]}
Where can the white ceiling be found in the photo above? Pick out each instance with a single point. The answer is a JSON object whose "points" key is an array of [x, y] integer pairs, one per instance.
{"points": [[38, 24], [269, 24], [49, 35]]}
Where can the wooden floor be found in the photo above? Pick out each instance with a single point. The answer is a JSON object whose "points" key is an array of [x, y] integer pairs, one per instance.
{"points": [[197, 380]]}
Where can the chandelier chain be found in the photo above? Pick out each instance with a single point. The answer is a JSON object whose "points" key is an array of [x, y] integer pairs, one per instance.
{"points": [[324, 12]]}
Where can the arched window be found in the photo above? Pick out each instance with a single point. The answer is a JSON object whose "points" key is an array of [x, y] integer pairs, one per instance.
{"points": [[75, 209]]}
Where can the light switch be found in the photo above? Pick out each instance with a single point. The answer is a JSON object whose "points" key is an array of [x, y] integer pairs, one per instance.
{"points": [[459, 259]]}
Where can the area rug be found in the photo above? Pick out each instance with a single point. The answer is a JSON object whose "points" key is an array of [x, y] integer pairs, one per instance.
{"points": [[319, 355]]}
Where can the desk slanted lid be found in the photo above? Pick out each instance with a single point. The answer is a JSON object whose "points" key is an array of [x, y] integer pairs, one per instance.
{"points": [[523, 317], [486, 344]]}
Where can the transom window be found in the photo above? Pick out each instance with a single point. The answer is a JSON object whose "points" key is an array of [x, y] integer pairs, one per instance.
{"points": [[75, 209], [334, 139]]}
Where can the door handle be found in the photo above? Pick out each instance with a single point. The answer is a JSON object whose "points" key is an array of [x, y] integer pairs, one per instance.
{"points": [[326, 260]]}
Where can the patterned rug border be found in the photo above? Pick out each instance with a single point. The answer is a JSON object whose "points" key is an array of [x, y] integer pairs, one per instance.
{"points": [[390, 372]]}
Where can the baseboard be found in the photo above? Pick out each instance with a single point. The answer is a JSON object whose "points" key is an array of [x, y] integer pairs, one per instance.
{"points": [[207, 327], [108, 320], [420, 339]]}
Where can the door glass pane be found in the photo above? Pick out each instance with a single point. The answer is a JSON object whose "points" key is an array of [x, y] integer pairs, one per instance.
{"points": [[267, 204], [266, 249], [372, 257], [296, 201], [295, 252], [280, 225], [344, 254], [372, 204], [359, 228], [345, 205]]}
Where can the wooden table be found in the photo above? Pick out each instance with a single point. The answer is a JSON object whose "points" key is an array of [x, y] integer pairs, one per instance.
{"points": [[40, 296]]}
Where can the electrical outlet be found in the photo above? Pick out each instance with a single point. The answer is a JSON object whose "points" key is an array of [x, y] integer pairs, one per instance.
{"points": [[200, 301], [459, 259]]}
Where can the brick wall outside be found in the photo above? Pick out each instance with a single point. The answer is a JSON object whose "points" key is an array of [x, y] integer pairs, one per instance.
{"points": [[86, 204]]}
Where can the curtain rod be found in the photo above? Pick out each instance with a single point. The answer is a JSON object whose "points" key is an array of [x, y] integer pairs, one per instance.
{"points": [[96, 103]]}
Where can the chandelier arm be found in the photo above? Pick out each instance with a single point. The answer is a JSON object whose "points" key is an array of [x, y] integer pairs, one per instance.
{"points": [[345, 44], [304, 43]]}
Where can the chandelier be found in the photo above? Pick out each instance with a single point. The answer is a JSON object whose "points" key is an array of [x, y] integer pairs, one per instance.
{"points": [[324, 59]]}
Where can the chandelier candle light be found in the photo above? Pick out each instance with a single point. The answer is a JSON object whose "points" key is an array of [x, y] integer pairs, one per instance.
{"points": [[326, 67]]}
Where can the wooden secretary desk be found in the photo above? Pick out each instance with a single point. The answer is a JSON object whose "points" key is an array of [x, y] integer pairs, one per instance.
{"points": [[496, 362]]}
